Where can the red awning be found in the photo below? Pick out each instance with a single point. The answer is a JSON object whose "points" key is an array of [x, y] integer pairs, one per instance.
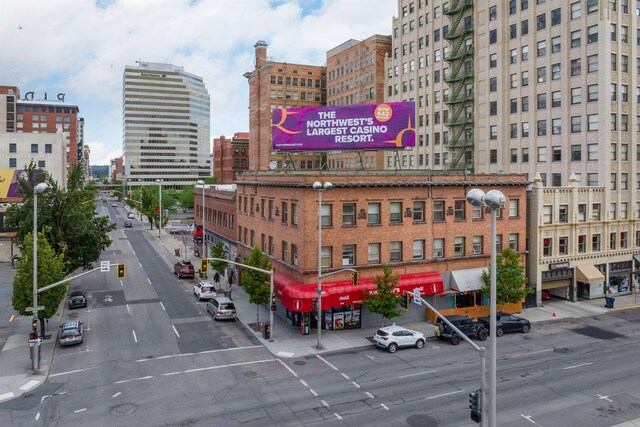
{"points": [[297, 296]]}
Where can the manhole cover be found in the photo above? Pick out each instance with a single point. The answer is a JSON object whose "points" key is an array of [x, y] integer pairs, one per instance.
{"points": [[421, 420], [250, 374], [124, 409], [299, 362]]}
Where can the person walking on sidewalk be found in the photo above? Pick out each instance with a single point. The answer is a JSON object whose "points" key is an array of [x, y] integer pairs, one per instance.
{"points": [[216, 279]]}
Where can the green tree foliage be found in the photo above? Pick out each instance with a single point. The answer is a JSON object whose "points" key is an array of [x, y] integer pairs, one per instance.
{"points": [[210, 181], [384, 301], [255, 283], [67, 215], [510, 279], [218, 251], [150, 202], [50, 270], [185, 197]]}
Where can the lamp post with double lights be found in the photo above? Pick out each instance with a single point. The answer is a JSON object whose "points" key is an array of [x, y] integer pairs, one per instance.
{"points": [[494, 200], [140, 205], [320, 187], [40, 188], [204, 227], [159, 181]]}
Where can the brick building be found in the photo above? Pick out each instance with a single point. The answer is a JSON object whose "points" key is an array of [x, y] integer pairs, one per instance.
{"points": [[116, 170], [220, 216], [230, 156]]}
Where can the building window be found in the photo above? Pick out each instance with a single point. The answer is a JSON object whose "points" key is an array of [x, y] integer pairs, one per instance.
{"points": [[373, 213], [12, 162], [547, 214], [418, 249], [547, 247], [623, 240], [595, 212], [294, 254], [613, 237], [563, 213], [438, 248], [563, 245], [13, 148], [459, 209], [349, 255], [582, 244], [477, 245], [294, 214], [458, 246], [34, 148], [373, 253], [395, 213], [285, 212], [41, 164], [271, 210], [513, 208], [395, 251], [438, 210], [325, 258], [595, 243], [349, 214], [418, 211], [285, 251]]}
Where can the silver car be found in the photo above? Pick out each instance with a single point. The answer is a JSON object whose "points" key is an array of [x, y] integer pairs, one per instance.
{"points": [[71, 333], [221, 308]]}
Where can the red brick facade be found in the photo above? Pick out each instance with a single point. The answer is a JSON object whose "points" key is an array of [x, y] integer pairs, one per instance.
{"points": [[230, 156], [220, 215]]}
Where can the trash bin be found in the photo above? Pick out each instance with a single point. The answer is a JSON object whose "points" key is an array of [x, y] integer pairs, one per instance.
{"points": [[266, 330], [177, 251], [609, 301]]}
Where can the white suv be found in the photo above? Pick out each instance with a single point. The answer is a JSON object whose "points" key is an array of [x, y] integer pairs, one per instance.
{"points": [[204, 290], [392, 337]]}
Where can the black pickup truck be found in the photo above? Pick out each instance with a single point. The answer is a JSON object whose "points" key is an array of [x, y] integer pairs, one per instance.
{"points": [[464, 324]]}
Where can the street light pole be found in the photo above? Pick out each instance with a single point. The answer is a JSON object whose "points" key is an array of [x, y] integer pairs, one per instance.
{"points": [[319, 187], [40, 188], [159, 181], [204, 227], [140, 205]]}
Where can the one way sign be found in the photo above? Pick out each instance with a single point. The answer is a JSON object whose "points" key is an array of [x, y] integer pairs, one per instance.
{"points": [[416, 297]]}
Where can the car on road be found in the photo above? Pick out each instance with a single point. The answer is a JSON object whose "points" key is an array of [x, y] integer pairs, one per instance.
{"points": [[464, 324], [77, 299], [184, 268], [507, 323], [130, 215], [545, 295], [221, 308], [71, 333], [114, 205], [394, 336], [204, 290], [128, 223]]}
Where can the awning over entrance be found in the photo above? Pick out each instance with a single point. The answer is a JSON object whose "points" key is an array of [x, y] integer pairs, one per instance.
{"points": [[467, 280], [588, 274], [637, 257], [297, 296], [555, 284]]}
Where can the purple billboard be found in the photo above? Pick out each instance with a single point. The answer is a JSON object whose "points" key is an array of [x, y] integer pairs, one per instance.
{"points": [[351, 127]]}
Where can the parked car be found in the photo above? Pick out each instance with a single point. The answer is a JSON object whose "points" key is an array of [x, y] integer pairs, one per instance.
{"points": [[130, 215], [184, 268], [221, 308], [204, 290], [546, 295], [71, 333], [464, 324], [77, 299], [114, 205], [128, 223], [507, 323], [392, 337]]}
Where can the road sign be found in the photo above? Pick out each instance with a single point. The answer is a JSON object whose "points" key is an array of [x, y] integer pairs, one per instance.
{"points": [[297, 304], [34, 340], [416, 297], [104, 266], [30, 309]]}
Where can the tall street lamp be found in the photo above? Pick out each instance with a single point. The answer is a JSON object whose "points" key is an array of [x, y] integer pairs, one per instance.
{"points": [[140, 205], [159, 181], [40, 188], [494, 200], [204, 227], [320, 187]]}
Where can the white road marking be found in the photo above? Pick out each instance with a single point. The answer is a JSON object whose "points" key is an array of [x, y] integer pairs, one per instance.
{"points": [[228, 366], [304, 383], [133, 379], [6, 396], [37, 416], [313, 392], [68, 372], [345, 375], [355, 384], [435, 346], [370, 395], [140, 265], [201, 352], [80, 410], [528, 418], [288, 368], [605, 398], [443, 394], [578, 366], [162, 305], [149, 280], [325, 404], [370, 357], [419, 373], [121, 284], [327, 362], [134, 335], [176, 331], [170, 373], [128, 309], [285, 354], [28, 386], [46, 396], [117, 394], [339, 417], [384, 406]]}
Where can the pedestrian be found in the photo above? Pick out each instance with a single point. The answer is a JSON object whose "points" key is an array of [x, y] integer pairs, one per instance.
{"points": [[231, 278], [216, 278]]}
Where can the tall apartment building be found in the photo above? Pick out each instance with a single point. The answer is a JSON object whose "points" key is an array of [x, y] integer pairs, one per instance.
{"points": [[86, 157], [166, 123], [80, 138], [281, 85], [230, 156], [355, 75]]}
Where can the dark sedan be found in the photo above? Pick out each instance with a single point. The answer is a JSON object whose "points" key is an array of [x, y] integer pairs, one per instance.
{"points": [[77, 299], [508, 323]]}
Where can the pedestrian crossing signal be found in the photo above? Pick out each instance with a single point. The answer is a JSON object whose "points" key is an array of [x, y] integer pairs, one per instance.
{"points": [[121, 271], [204, 265]]}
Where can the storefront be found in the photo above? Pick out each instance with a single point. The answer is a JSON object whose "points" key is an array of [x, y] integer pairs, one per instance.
{"points": [[619, 278], [590, 281]]}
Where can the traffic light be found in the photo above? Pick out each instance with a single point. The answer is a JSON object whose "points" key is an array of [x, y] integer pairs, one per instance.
{"points": [[121, 271], [404, 301], [474, 405], [273, 302], [355, 278], [204, 265], [314, 304], [34, 329]]}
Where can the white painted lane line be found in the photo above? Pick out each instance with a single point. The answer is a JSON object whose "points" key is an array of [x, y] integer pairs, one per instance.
{"points": [[528, 418], [338, 416], [370, 395], [133, 379], [304, 383], [313, 392], [285, 354], [80, 410], [46, 396], [170, 373], [355, 384], [162, 305], [149, 280], [121, 284], [605, 398], [37, 416], [419, 373], [128, 309], [28, 386], [117, 394], [176, 331], [134, 335], [288, 368], [325, 404], [68, 372], [578, 366], [443, 394], [345, 375], [229, 365], [370, 357], [140, 265], [384, 406], [6, 396], [201, 352], [327, 362]]}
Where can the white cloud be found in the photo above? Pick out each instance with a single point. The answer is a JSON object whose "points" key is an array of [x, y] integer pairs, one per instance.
{"points": [[81, 48]]}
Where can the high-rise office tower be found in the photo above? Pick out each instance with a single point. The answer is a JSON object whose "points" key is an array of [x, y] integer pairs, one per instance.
{"points": [[166, 124]]}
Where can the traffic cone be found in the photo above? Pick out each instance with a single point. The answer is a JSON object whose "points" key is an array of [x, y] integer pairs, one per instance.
{"points": [[553, 314]]}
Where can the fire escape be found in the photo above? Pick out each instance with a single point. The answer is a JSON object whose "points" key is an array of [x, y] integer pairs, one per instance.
{"points": [[460, 81]]}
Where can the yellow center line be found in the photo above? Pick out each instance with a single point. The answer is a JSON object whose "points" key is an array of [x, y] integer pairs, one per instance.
{"points": [[13, 316]]}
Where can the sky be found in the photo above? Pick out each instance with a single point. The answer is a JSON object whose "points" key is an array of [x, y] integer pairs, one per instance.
{"points": [[80, 48]]}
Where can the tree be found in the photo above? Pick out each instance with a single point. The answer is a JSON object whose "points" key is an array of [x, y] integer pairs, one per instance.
{"points": [[384, 301], [51, 269], [185, 197], [510, 279], [218, 251], [255, 283], [211, 180], [150, 202]]}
